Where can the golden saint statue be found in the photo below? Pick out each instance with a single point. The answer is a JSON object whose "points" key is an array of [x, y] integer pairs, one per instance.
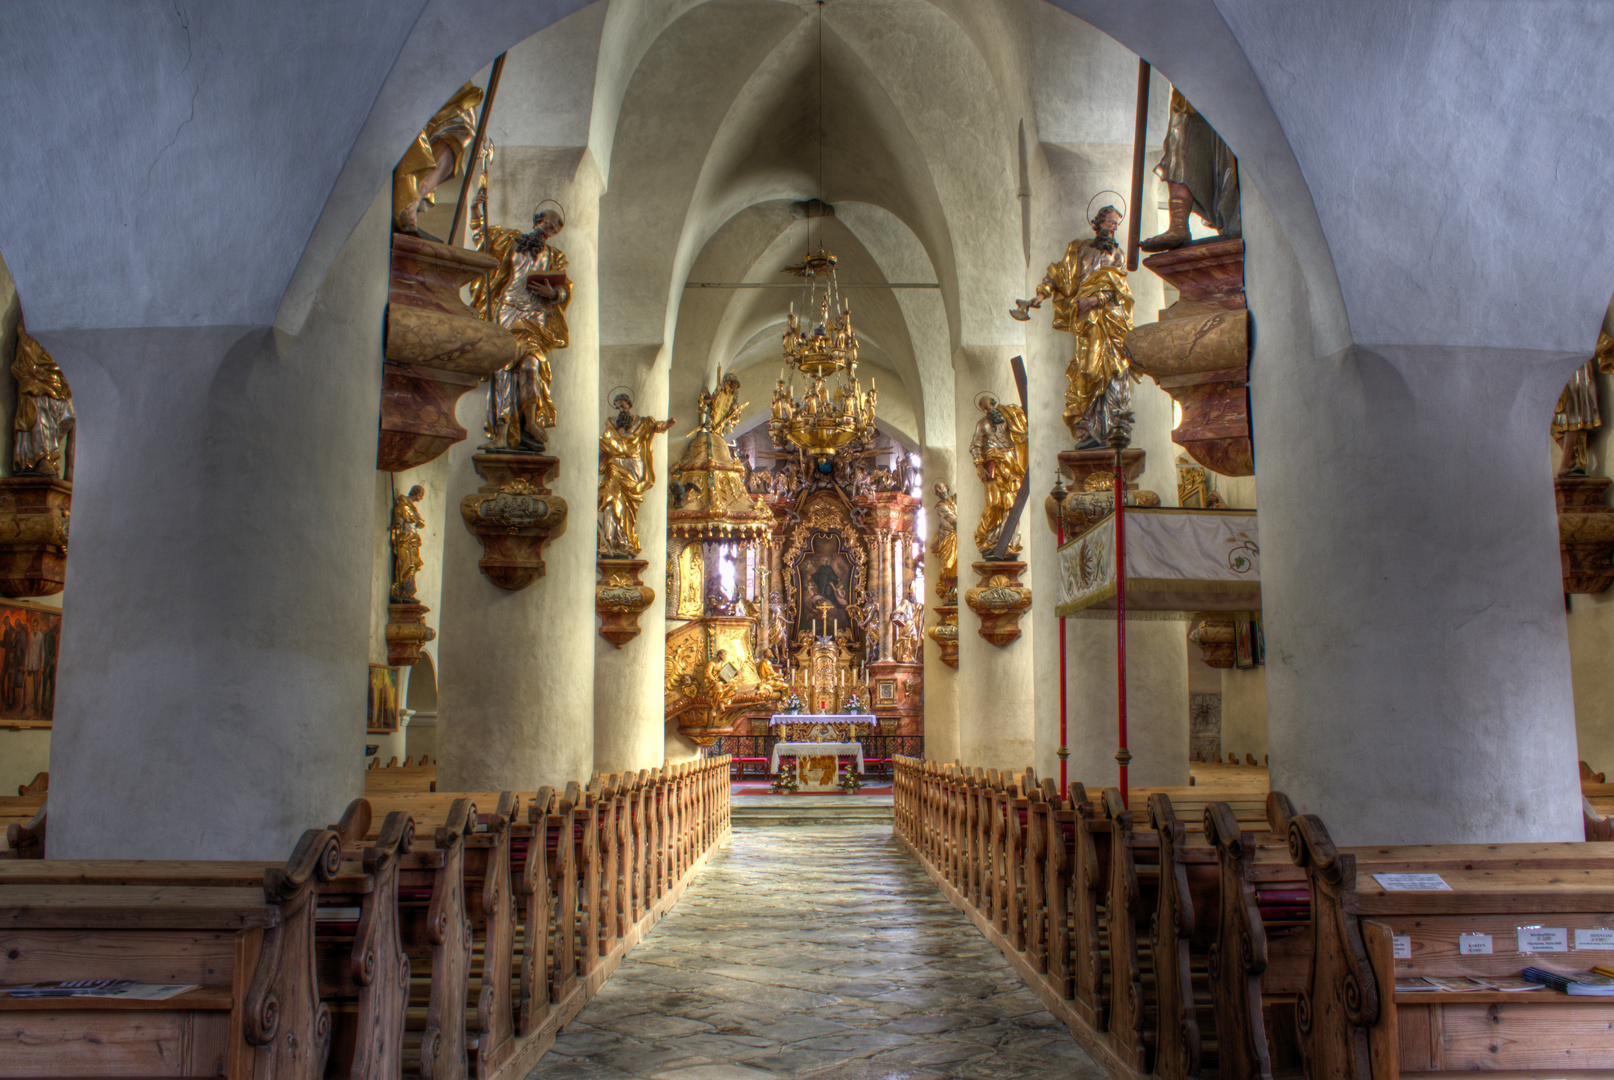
{"points": [[627, 471], [719, 691], [945, 549], [406, 561], [44, 422], [999, 450], [530, 295], [769, 685], [1578, 413], [1093, 302], [438, 154]]}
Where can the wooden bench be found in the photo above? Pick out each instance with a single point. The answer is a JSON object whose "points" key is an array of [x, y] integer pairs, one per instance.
{"points": [[22, 823], [1356, 1023], [256, 1012]]}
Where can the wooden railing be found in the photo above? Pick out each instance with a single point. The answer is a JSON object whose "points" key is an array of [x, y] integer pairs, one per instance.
{"points": [[451, 934]]}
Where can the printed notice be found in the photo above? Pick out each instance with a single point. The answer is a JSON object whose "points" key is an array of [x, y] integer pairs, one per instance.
{"points": [[1411, 882], [1596, 938], [1401, 947], [1542, 939], [1474, 944]]}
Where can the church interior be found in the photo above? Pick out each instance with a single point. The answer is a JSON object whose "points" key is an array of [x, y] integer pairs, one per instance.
{"points": [[851, 539]]}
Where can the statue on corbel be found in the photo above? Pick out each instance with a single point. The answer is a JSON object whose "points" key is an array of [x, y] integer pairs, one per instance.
{"points": [[407, 631], [627, 473], [1585, 521], [437, 154], [945, 553], [36, 500], [999, 450]]}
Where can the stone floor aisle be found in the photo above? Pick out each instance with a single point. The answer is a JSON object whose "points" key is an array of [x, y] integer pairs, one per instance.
{"points": [[815, 952]]}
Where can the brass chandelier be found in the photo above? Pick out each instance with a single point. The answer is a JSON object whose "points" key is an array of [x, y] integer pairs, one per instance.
{"points": [[821, 421]]}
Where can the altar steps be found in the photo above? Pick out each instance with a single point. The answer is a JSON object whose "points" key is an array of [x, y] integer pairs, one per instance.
{"points": [[810, 811]]}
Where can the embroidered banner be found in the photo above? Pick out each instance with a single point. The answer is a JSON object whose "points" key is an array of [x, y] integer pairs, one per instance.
{"points": [[1176, 560]]}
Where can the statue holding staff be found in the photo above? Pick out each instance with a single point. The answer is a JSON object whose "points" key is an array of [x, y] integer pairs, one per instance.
{"points": [[627, 472], [999, 451], [405, 534], [42, 430]]}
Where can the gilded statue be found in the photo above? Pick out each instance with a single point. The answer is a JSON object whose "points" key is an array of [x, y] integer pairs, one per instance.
{"points": [[866, 616], [769, 685], [1093, 302], [406, 526], [43, 426], [906, 642], [999, 450], [945, 549], [719, 690], [437, 154], [627, 472], [530, 294], [1578, 413], [1201, 175], [720, 409], [778, 627]]}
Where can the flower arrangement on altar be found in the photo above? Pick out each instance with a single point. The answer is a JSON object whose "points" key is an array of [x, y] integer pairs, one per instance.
{"points": [[787, 782], [854, 703], [851, 782], [792, 704]]}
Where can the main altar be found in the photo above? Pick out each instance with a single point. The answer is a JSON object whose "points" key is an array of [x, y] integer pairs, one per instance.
{"points": [[794, 569]]}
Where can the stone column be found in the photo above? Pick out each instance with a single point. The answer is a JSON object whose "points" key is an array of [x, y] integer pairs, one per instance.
{"points": [[996, 697], [516, 681], [1156, 700], [213, 662], [1418, 678], [629, 714]]}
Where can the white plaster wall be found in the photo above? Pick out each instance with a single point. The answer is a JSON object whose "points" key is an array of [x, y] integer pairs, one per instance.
{"points": [[941, 681], [1244, 712], [23, 755], [1156, 700]]}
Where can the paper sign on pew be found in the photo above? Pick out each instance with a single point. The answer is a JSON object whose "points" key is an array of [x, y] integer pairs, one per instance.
{"points": [[1411, 882]]}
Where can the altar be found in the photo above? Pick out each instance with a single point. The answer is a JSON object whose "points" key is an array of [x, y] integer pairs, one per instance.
{"points": [[818, 764]]}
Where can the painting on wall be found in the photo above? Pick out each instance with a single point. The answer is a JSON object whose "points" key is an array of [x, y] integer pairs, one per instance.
{"points": [[381, 711], [29, 634]]}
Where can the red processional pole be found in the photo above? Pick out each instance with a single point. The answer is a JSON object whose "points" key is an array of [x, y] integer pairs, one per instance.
{"points": [[1059, 494], [1118, 440]]}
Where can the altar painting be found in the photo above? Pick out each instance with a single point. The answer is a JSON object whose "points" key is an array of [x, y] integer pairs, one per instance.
{"points": [[824, 583]]}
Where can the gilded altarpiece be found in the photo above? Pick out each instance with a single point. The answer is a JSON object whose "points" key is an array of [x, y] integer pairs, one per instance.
{"points": [[825, 567]]}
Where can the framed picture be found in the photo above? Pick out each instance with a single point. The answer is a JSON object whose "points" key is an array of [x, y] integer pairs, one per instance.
{"points": [[1249, 643], [29, 635], [885, 691], [381, 711]]}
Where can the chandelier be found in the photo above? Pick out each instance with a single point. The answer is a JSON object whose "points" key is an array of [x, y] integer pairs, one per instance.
{"points": [[822, 421]]}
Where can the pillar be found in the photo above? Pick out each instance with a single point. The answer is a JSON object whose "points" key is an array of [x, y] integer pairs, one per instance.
{"points": [[996, 696], [629, 683], [1418, 679], [516, 676], [1156, 700], [213, 661]]}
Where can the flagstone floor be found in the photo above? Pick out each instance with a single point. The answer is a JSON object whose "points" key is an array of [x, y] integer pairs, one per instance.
{"points": [[815, 952]]}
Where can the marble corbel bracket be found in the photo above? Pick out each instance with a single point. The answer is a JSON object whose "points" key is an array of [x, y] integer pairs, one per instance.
{"points": [[1199, 352], [436, 349], [999, 600], [620, 597], [407, 632], [945, 634], [34, 513], [1213, 632], [513, 515], [1585, 533]]}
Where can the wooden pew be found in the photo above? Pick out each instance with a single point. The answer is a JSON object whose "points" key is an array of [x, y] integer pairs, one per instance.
{"points": [[22, 823], [1357, 1025], [40, 784], [256, 1012]]}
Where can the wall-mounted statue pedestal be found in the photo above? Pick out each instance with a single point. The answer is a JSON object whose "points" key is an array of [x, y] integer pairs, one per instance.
{"points": [[945, 634], [619, 597], [436, 349], [407, 632], [1199, 352], [1090, 473], [1585, 533], [898, 693], [999, 600], [1214, 633], [33, 535], [514, 515]]}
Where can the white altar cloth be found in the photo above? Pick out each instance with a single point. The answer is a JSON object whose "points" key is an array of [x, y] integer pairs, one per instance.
{"points": [[799, 750], [1176, 560], [780, 719]]}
